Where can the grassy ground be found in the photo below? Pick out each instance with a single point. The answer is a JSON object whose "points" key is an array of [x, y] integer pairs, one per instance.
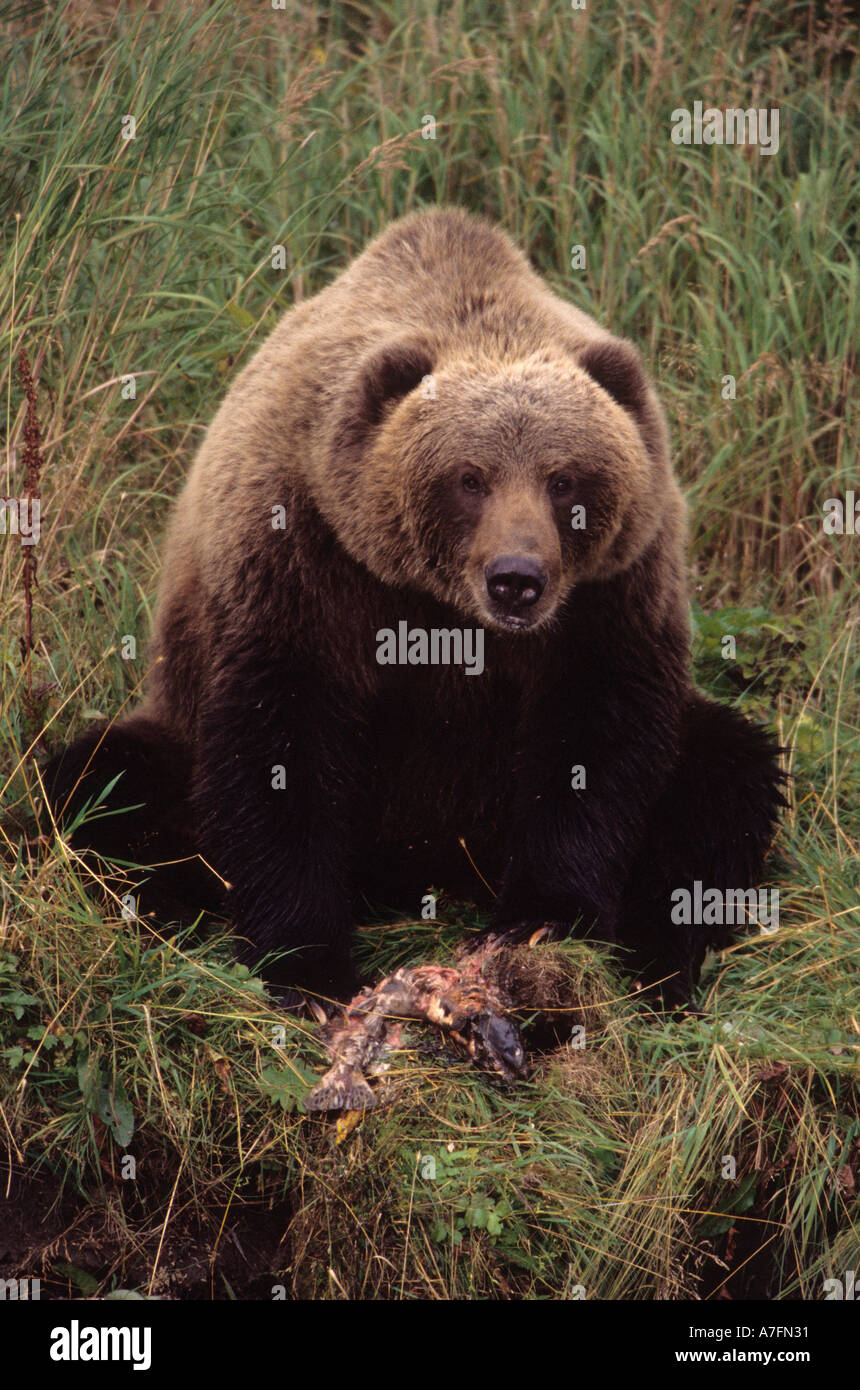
{"points": [[608, 1172]]}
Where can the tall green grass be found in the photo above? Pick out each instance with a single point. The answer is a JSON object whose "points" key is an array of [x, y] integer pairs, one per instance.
{"points": [[151, 257]]}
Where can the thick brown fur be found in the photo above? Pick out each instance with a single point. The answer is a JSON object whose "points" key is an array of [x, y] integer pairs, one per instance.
{"points": [[399, 495]]}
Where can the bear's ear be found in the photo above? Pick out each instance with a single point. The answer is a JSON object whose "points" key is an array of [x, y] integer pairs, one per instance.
{"points": [[384, 375], [388, 373], [617, 367]]}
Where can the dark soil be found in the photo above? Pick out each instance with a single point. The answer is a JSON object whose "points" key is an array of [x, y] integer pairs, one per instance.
{"points": [[62, 1239]]}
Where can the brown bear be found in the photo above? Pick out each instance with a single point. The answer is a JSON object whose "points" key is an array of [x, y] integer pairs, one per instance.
{"points": [[425, 589]]}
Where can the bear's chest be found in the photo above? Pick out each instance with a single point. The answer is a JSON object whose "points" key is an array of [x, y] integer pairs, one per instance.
{"points": [[442, 747], [441, 731]]}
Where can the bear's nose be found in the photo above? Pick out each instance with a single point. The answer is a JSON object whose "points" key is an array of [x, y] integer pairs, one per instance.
{"points": [[514, 581]]}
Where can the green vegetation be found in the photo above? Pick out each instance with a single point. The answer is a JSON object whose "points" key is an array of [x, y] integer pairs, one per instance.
{"points": [[152, 256]]}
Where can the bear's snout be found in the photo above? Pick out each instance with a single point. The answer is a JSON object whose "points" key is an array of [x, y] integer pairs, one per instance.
{"points": [[514, 583]]}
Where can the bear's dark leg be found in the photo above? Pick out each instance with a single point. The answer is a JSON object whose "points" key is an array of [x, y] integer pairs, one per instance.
{"points": [[145, 818], [614, 717], [274, 802], [713, 823]]}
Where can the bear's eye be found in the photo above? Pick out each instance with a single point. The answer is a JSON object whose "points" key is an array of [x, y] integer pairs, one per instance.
{"points": [[560, 487], [470, 482]]}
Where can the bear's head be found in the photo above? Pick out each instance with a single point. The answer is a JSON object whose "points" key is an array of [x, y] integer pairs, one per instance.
{"points": [[498, 485]]}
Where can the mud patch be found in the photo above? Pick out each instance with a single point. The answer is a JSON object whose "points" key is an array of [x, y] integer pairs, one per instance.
{"points": [[85, 1245]]}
